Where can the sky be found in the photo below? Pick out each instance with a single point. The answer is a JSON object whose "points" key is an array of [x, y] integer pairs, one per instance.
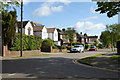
{"points": [[79, 15]]}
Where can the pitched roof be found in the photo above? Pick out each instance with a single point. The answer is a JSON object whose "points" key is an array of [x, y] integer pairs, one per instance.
{"points": [[93, 36], [81, 35], [38, 28], [24, 24], [35, 24], [50, 30]]}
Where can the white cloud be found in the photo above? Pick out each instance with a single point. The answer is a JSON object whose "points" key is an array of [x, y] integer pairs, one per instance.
{"points": [[90, 18], [43, 11], [57, 9], [49, 7], [88, 26]]}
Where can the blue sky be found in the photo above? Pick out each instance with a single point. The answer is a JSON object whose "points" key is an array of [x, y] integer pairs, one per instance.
{"points": [[80, 15]]}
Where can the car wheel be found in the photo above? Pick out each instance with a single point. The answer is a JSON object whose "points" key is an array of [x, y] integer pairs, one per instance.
{"points": [[83, 51], [79, 51]]}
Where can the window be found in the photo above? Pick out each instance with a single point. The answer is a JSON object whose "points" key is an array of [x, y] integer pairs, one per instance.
{"points": [[55, 34], [29, 31]]}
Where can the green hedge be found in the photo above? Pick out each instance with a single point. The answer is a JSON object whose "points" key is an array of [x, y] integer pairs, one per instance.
{"points": [[28, 42], [47, 43]]}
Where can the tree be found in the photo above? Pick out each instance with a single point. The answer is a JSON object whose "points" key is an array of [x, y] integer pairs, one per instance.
{"points": [[110, 35], [105, 38], [111, 8], [96, 42], [5, 4], [9, 19], [70, 34]]}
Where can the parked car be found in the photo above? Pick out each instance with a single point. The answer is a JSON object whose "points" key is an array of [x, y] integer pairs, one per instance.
{"points": [[93, 48], [77, 48]]}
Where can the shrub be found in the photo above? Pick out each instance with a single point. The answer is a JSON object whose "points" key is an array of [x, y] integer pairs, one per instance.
{"points": [[28, 42], [55, 47], [63, 47], [76, 43], [47, 43], [101, 46], [87, 46]]}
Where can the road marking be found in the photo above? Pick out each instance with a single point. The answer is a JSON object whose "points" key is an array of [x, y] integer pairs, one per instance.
{"points": [[76, 62]]}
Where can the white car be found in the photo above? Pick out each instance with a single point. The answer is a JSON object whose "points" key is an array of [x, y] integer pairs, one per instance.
{"points": [[77, 48]]}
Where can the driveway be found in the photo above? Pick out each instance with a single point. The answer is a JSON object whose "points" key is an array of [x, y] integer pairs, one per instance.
{"points": [[54, 66]]}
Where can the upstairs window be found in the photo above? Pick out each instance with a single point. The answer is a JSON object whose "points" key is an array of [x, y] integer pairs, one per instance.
{"points": [[29, 31]]}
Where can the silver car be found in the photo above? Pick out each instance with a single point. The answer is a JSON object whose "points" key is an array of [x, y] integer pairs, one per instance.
{"points": [[77, 48]]}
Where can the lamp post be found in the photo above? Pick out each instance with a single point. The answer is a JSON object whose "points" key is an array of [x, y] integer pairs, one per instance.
{"points": [[21, 25]]}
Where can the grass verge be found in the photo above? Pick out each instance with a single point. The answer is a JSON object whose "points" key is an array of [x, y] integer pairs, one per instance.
{"points": [[40, 55], [115, 57], [90, 59], [18, 57]]}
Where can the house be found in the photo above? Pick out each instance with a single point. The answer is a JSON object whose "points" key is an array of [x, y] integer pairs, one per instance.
{"points": [[91, 39], [52, 34], [61, 36], [39, 30], [76, 37], [27, 28], [82, 38]]}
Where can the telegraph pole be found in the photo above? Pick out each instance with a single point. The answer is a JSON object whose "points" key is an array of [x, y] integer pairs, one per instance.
{"points": [[21, 25]]}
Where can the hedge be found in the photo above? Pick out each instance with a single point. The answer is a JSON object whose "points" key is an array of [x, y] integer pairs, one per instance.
{"points": [[47, 43], [28, 42]]}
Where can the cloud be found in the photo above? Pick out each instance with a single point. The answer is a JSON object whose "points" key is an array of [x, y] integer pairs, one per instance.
{"points": [[88, 26], [57, 9], [90, 18], [50, 7]]}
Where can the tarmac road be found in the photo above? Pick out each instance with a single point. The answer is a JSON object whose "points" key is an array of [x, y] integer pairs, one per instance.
{"points": [[54, 66]]}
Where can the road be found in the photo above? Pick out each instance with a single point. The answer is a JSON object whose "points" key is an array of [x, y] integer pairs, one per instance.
{"points": [[54, 66]]}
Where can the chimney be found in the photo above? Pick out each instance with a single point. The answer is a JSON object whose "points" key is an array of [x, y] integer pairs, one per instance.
{"points": [[63, 29], [80, 32]]}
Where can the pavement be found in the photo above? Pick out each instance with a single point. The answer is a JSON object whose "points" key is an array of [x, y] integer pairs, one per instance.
{"points": [[54, 66]]}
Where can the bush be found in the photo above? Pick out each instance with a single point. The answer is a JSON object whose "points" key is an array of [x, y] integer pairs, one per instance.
{"points": [[76, 43], [55, 47], [47, 43], [87, 46], [63, 47], [28, 42], [100, 46]]}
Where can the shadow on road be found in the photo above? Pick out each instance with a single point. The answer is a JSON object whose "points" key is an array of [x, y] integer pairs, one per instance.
{"points": [[52, 68]]}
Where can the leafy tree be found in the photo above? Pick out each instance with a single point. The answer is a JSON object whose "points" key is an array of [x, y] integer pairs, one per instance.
{"points": [[111, 8], [70, 34], [105, 38], [96, 42], [111, 34], [5, 4], [9, 19]]}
